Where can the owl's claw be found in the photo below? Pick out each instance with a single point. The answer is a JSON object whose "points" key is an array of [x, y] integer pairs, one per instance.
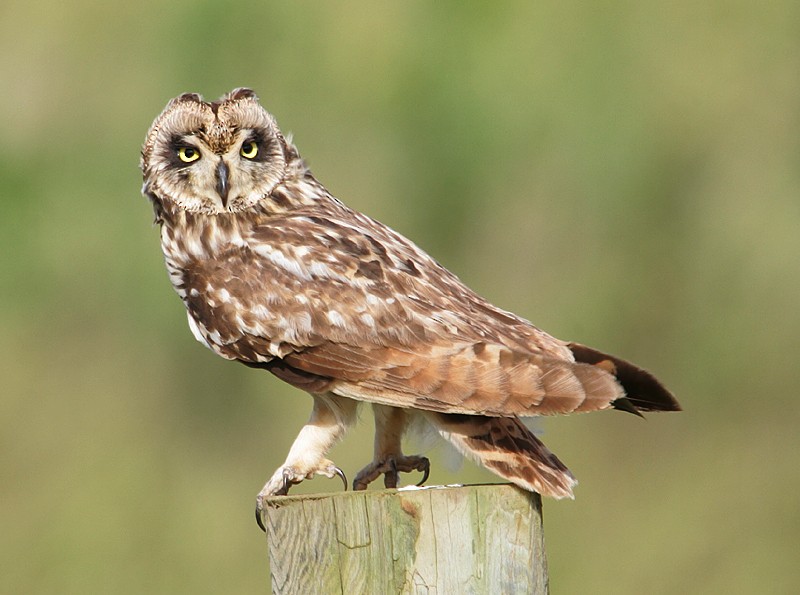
{"points": [[342, 476], [287, 476], [285, 483], [259, 519], [426, 471]]}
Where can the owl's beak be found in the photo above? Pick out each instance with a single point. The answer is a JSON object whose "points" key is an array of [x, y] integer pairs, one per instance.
{"points": [[223, 186]]}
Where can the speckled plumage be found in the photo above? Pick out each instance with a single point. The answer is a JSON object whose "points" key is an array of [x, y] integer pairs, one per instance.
{"points": [[277, 273]]}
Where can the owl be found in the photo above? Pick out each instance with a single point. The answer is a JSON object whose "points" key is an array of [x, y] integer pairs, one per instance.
{"points": [[278, 274]]}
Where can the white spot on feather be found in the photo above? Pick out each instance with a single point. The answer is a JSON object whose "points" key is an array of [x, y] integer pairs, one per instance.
{"points": [[260, 312], [279, 259], [195, 328], [193, 245], [335, 318], [320, 269], [303, 322]]}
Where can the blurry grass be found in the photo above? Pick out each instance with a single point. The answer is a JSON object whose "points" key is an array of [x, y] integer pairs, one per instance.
{"points": [[623, 176]]}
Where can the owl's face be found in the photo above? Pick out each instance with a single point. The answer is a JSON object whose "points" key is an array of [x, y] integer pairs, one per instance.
{"points": [[213, 157]]}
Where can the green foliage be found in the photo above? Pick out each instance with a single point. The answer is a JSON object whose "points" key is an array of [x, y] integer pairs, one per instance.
{"points": [[624, 174]]}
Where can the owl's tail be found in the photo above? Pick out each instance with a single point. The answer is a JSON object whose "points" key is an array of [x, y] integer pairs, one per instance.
{"points": [[506, 447], [643, 392]]}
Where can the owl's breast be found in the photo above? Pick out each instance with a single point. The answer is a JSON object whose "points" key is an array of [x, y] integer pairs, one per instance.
{"points": [[237, 304]]}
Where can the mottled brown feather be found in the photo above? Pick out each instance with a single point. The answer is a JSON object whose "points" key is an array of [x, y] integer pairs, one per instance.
{"points": [[435, 346], [506, 447]]}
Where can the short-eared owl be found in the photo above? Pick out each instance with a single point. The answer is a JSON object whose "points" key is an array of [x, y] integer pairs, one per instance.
{"points": [[278, 274]]}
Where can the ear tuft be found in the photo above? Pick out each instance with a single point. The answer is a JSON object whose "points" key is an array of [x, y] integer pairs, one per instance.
{"points": [[240, 93], [190, 97]]}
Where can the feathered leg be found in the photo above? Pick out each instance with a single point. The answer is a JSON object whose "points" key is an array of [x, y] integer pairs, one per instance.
{"points": [[331, 417], [389, 461]]}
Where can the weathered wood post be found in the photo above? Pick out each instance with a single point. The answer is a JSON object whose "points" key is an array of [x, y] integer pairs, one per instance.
{"points": [[459, 539]]}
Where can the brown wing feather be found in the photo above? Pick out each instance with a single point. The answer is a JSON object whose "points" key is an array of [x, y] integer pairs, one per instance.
{"points": [[456, 380], [370, 316]]}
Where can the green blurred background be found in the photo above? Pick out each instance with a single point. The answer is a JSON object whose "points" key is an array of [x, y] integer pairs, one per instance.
{"points": [[624, 174]]}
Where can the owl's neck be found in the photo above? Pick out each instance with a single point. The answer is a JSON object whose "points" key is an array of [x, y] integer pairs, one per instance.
{"points": [[203, 235], [294, 192]]}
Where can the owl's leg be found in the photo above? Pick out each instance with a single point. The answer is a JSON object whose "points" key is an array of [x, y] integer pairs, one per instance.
{"points": [[331, 417], [390, 424]]}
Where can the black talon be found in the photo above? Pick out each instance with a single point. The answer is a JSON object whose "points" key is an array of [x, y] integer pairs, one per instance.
{"points": [[286, 485], [425, 472], [259, 520], [342, 476]]}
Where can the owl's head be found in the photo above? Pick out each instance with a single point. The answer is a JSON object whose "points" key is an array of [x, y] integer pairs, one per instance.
{"points": [[214, 157]]}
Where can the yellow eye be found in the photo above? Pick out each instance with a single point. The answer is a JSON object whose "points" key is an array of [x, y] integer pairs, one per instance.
{"points": [[188, 154], [249, 150]]}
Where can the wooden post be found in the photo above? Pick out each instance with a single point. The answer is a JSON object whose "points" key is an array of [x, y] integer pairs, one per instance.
{"points": [[459, 539]]}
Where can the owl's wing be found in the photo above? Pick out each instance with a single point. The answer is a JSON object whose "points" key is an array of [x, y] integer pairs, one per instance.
{"points": [[480, 378], [341, 303]]}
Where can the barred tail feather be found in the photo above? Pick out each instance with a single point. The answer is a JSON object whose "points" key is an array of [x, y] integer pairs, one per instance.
{"points": [[506, 447]]}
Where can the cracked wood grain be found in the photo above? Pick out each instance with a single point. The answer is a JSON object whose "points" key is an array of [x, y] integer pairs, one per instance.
{"points": [[468, 539]]}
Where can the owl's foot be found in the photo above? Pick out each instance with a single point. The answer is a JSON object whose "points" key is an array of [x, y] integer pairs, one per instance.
{"points": [[390, 467], [289, 475]]}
